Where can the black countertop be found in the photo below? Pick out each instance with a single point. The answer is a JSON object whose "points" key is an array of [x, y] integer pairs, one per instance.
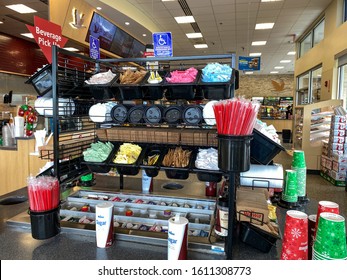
{"points": [[18, 244]]}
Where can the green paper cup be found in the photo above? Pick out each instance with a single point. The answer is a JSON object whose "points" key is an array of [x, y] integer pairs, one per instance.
{"points": [[298, 159], [330, 240], [290, 190], [301, 179]]}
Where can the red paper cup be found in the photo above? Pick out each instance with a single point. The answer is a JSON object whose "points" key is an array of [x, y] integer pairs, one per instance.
{"points": [[295, 238], [326, 206]]}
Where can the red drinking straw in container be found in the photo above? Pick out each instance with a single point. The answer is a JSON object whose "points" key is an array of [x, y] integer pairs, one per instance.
{"points": [[43, 193], [236, 116]]}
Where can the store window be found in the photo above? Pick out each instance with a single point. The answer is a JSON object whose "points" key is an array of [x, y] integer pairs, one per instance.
{"points": [[312, 38], [318, 33], [309, 87], [342, 85]]}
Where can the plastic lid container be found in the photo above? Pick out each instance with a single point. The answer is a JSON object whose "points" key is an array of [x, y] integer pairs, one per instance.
{"points": [[192, 115]]}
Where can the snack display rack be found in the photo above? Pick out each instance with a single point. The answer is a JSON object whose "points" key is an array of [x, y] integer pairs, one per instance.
{"points": [[86, 95]]}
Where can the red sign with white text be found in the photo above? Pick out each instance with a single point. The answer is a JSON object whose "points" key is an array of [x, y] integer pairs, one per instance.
{"points": [[46, 35]]}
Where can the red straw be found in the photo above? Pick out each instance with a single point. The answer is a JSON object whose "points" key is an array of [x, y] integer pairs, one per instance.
{"points": [[235, 116]]}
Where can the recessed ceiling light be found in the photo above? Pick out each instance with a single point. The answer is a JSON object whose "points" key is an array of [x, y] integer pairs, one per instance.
{"points": [[71, 49], [274, 72], [291, 53], [268, 25], [200, 46], [127, 23], [194, 35], [248, 73], [255, 54], [258, 43], [185, 19], [28, 35], [285, 61], [144, 35], [98, 8], [279, 67], [22, 9], [1, 22]]}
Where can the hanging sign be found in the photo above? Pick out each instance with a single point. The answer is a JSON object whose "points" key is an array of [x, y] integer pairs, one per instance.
{"points": [[249, 63], [46, 35], [162, 43], [94, 47]]}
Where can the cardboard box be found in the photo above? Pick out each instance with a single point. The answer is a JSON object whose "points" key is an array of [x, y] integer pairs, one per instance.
{"points": [[252, 207], [339, 176], [338, 126], [338, 119], [338, 132], [337, 139], [341, 158], [339, 167]]}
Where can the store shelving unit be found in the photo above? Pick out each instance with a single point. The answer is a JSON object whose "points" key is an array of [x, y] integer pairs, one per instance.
{"points": [[85, 97], [311, 126]]}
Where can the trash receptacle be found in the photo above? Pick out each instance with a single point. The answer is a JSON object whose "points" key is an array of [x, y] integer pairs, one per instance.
{"points": [[287, 135]]}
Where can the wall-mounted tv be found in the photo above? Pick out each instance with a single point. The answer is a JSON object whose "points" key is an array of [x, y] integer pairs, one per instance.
{"points": [[113, 38], [122, 43], [102, 29], [137, 49]]}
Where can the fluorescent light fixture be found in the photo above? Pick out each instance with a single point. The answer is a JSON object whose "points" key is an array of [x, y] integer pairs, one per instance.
{"points": [[248, 73], [99, 8], [258, 43], [255, 54], [71, 49], [285, 61], [185, 19], [28, 35], [200, 46], [268, 25], [274, 72], [144, 35], [291, 53], [127, 23], [279, 67], [194, 35], [22, 9]]}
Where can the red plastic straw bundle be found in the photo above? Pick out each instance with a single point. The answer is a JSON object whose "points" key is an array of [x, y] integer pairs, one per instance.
{"points": [[44, 193], [236, 116]]}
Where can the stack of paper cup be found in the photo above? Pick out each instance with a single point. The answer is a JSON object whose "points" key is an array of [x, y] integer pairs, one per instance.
{"points": [[295, 239], [289, 197], [18, 126], [178, 238], [104, 224], [330, 243], [299, 165], [326, 206]]}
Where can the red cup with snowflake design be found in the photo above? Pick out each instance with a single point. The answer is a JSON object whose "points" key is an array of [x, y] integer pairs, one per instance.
{"points": [[295, 237], [326, 206]]}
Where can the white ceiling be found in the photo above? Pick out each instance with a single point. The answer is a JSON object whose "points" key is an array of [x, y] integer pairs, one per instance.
{"points": [[227, 25]]}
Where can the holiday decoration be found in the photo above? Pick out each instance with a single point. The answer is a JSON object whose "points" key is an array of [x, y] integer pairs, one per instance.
{"points": [[30, 118]]}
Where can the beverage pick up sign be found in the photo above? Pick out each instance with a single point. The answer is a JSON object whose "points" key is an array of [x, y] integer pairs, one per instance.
{"points": [[46, 35]]}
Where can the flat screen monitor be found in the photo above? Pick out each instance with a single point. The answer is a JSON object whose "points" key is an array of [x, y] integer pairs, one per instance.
{"points": [[137, 49], [122, 43], [103, 30]]}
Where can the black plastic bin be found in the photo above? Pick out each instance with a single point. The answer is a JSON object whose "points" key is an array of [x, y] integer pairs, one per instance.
{"points": [[45, 224], [102, 167], [153, 170], [264, 149], [256, 237], [234, 153]]}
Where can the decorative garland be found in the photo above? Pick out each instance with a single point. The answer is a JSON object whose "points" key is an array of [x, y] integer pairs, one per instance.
{"points": [[30, 118]]}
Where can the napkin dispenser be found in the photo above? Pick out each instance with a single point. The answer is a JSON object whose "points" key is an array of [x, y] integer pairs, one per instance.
{"points": [[263, 176]]}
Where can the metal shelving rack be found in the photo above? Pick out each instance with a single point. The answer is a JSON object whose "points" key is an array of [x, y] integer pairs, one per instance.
{"points": [[87, 66]]}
